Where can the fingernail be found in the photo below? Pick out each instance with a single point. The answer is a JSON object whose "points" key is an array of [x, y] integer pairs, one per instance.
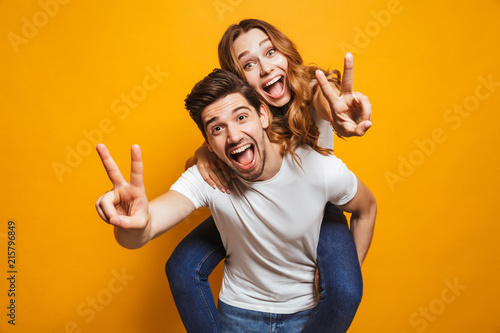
{"points": [[367, 125]]}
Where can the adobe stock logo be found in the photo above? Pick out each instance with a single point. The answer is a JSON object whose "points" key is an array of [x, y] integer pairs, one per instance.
{"points": [[373, 28], [223, 6], [30, 27], [454, 117], [122, 108], [94, 304], [425, 315]]}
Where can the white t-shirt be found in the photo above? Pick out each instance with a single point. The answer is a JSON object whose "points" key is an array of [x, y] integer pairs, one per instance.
{"points": [[325, 139], [270, 229]]}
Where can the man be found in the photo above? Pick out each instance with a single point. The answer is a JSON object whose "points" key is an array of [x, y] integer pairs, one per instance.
{"points": [[270, 222]]}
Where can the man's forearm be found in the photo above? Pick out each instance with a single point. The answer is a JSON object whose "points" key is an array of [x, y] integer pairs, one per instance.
{"points": [[133, 239], [362, 228], [364, 211]]}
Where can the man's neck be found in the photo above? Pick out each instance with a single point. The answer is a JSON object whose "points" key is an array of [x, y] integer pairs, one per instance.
{"points": [[274, 159]]}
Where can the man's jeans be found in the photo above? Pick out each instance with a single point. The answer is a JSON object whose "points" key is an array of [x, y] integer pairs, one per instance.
{"points": [[235, 320]]}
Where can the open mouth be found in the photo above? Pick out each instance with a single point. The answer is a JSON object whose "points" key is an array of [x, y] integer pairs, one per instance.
{"points": [[276, 87], [244, 156]]}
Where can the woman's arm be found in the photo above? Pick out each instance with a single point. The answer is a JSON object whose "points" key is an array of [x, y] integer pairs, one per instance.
{"points": [[212, 169]]}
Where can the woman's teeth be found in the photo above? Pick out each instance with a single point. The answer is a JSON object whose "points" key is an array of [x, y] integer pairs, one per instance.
{"points": [[240, 150], [273, 81]]}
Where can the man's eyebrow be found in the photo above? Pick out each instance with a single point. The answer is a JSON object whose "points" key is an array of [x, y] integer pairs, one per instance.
{"points": [[260, 44], [214, 119]]}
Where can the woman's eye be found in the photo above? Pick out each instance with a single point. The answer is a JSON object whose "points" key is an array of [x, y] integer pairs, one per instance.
{"points": [[271, 52], [248, 65], [242, 117]]}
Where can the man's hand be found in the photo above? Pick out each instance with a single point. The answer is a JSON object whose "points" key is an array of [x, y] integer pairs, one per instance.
{"points": [[126, 205], [213, 170], [351, 112]]}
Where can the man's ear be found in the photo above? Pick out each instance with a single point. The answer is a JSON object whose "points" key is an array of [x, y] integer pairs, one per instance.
{"points": [[264, 116], [209, 146]]}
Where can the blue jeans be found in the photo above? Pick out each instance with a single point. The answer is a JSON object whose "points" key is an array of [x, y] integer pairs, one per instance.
{"points": [[340, 282], [236, 320]]}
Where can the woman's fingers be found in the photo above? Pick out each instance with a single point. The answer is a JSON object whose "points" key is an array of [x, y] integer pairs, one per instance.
{"points": [[347, 78], [326, 88]]}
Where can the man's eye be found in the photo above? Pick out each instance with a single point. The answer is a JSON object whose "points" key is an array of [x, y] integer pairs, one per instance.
{"points": [[216, 129], [242, 117]]}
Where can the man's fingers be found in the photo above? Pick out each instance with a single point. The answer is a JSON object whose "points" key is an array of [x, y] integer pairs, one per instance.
{"points": [[325, 86], [128, 222], [137, 169], [112, 169], [346, 85], [105, 206], [100, 211]]}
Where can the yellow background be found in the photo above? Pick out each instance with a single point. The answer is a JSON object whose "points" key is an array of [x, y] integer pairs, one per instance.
{"points": [[433, 169]]}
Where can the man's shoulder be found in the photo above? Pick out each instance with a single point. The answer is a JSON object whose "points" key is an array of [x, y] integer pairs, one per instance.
{"points": [[192, 178], [306, 151], [311, 159]]}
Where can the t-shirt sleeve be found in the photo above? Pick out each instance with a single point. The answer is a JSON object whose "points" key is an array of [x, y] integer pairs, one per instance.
{"points": [[192, 185], [342, 184]]}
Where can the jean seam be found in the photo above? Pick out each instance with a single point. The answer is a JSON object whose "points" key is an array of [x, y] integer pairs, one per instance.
{"points": [[200, 291]]}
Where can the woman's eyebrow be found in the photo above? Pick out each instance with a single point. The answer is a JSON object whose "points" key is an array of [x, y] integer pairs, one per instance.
{"points": [[260, 44]]}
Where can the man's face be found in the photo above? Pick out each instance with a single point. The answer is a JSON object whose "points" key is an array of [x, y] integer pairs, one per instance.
{"points": [[236, 134]]}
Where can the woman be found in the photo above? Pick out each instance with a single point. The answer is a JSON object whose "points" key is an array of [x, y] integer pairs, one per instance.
{"points": [[269, 61]]}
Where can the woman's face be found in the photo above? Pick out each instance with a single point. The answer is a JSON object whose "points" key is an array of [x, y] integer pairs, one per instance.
{"points": [[266, 69]]}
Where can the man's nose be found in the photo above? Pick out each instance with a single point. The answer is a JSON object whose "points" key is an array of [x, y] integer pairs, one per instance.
{"points": [[234, 135]]}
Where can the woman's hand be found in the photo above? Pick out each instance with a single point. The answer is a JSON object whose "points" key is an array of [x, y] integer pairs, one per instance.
{"points": [[351, 112], [212, 169]]}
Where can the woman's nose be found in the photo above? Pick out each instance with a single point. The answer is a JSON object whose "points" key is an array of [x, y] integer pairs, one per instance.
{"points": [[265, 68]]}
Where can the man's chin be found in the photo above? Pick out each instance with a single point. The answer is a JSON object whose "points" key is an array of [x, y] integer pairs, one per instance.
{"points": [[249, 175]]}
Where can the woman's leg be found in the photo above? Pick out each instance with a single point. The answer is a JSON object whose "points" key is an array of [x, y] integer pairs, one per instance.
{"points": [[340, 280], [188, 269]]}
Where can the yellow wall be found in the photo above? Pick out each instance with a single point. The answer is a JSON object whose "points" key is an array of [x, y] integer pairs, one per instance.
{"points": [[431, 157]]}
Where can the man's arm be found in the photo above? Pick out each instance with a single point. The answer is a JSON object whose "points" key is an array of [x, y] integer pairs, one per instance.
{"points": [[126, 206], [364, 210]]}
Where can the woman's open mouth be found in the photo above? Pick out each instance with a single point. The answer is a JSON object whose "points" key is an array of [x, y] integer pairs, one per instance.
{"points": [[276, 87]]}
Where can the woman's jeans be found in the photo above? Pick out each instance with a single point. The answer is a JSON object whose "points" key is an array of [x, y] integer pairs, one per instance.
{"points": [[340, 282]]}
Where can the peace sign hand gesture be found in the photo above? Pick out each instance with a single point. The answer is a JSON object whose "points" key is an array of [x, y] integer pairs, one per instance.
{"points": [[351, 111], [126, 205]]}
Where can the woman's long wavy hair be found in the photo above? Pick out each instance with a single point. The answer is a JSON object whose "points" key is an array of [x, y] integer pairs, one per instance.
{"points": [[296, 127]]}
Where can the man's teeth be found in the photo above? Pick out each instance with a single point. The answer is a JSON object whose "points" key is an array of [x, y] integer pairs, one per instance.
{"points": [[276, 79], [240, 150]]}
